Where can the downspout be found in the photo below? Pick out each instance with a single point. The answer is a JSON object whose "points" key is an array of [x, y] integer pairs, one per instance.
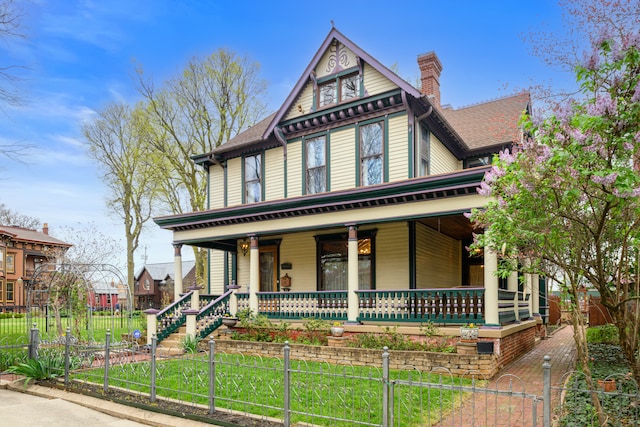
{"points": [[281, 139]]}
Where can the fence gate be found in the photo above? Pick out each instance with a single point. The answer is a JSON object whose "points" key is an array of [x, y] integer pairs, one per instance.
{"points": [[82, 297]]}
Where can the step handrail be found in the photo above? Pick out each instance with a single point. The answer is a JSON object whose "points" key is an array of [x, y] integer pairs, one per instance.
{"points": [[210, 317], [171, 318]]}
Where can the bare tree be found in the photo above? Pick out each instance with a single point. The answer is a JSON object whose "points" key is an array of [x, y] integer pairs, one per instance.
{"points": [[115, 142], [10, 217], [210, 101], [10, 23]]}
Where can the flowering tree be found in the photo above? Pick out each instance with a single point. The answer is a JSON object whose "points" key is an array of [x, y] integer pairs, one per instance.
{"points": [[568, 198]]}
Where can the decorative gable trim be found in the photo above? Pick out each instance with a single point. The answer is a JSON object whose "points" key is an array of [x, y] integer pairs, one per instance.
{"points": [[361, 55]]}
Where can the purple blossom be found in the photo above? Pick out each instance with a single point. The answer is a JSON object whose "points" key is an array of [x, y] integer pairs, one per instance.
{"points": [[636, 138], [605, 180], [636, 93], [506, 157], [628, 146], [484, 189], [603, 105], [578, 136]]}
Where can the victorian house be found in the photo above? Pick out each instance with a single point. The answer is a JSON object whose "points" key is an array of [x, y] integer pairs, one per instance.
{"points": [[22, 252], [348, 202]]}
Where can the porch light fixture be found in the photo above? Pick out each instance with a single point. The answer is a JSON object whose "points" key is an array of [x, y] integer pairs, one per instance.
{"points": [[244, 247]]}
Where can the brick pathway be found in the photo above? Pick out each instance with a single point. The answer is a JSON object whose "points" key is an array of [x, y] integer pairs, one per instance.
{"points": [[524, 375]]}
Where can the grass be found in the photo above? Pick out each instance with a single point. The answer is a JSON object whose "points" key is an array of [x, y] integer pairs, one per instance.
{"points": [[256, 385], [16, 330]]}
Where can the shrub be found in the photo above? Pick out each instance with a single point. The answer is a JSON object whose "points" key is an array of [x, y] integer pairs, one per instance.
{"points": [[44, 368], [605, 334], [190, 344]]}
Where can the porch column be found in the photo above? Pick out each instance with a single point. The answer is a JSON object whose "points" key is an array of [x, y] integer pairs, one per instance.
{"points": [[491, 315], [527, 286], [254, 274], [512, 285], [535, 293], [352, 286], [177, 271]]}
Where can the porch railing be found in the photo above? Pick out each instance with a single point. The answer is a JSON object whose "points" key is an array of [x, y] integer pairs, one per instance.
{"points": [[453, 305], [330, 305], [523, 306], [506, 306]]}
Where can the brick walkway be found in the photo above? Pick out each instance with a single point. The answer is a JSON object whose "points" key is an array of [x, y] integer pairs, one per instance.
{"points": [[524, 376]]}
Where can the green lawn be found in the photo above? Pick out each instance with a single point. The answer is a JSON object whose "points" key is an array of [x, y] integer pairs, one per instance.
{"points": [[256, 385]]}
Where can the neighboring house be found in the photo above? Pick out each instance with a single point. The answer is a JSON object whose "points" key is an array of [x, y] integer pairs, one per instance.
{"points": [[154, 283], [108, 296], [354, 194], [22, 251]]}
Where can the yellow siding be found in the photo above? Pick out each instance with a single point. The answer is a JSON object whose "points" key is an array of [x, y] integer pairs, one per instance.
{"points": [[216, 266], [216, 187], [274, 174], [234, 181], [294, 169], [300, 251], [375, 83], [442, 160], [438, 259], [392, 256], [343, 159], [304, 100], [398, 148], [243, 266]]}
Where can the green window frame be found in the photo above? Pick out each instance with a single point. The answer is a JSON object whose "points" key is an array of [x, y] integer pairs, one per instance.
{"points": [[253, 178], [372, 149], [333, 258], [316, 165], [9, 292], [338, 88], [423, 152]]}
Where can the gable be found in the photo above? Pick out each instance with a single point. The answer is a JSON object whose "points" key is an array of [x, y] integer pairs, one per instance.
{"points": [[336, 58]]}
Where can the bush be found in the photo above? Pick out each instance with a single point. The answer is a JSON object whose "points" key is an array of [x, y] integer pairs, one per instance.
{"points": [[44, 368], [605, 334]]}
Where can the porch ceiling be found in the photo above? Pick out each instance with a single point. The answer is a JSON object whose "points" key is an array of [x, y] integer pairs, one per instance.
{"points": [[454, 226]]}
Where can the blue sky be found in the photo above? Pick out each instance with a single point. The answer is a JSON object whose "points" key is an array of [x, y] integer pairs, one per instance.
{"points": [[80, 55]]}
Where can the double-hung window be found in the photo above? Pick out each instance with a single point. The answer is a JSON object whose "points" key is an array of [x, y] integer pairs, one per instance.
{"points": [[316, 165], [9, 294], [371, 153], [423, 151], [338, 89], [253, 178]]}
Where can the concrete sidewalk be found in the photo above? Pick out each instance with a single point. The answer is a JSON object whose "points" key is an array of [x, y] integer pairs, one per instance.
{"points": [[44, 406]]}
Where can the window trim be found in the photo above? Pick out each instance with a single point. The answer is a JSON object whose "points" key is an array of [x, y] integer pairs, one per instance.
{"points": [[337, 80], [13, 291], [383, 151], [11, 266], [343, 237], [423, 129], [260, 179], [306, 140]]}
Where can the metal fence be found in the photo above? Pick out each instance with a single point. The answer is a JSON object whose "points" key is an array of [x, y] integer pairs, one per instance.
{"points": [[283, 391]]}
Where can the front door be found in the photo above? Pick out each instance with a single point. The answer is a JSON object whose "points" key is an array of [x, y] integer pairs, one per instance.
{"points": [[268, 269]]}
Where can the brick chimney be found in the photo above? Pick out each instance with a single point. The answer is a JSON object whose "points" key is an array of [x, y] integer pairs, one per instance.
{"points": [[430, 69], [45, 228]]}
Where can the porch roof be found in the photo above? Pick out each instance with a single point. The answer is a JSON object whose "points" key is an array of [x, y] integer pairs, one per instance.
{"points": [[460, 183]]}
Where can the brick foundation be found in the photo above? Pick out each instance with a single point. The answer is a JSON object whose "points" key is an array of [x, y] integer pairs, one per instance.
{"points": [[458, 364]]}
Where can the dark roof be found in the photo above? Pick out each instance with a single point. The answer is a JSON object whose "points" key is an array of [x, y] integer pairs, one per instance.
{"points": [[162, 270], [28, 235], [490, 123], [249, 136]]}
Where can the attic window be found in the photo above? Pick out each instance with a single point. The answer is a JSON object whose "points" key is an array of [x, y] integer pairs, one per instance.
{"points": [[479, 161], [338, 89]]}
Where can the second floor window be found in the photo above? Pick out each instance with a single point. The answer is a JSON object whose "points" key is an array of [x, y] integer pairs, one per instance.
{"points": [[316, 165], [423, 151], [371, 153], [253, 178]]}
